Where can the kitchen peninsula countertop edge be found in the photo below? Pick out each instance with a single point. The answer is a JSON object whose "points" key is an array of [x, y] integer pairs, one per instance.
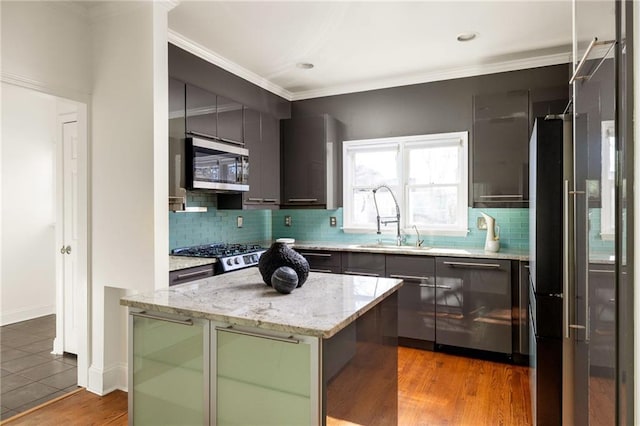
{"points": [[323, 306]]}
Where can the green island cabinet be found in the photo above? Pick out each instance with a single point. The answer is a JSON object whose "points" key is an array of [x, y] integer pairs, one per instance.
{"points": [[186, 370]]}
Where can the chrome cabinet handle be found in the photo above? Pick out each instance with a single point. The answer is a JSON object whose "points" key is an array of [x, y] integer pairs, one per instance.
{"points": [[502, 196], [143, 314], [604, 271], [303, 200], [316, 254], [230, 329], [565, 255], [193, 274], [440, 286], [254, 200], [409, 277], [473, 265], [365, 274]]}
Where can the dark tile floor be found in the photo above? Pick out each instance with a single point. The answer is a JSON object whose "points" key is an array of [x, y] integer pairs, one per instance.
{"points": [[29, 373]]}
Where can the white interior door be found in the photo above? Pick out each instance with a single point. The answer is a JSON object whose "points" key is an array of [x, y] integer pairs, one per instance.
{"points": [[70, 235]]}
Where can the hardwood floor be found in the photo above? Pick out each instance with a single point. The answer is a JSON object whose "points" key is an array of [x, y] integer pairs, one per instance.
{"points": [[78, 408], [440, 389], [433, 389]]}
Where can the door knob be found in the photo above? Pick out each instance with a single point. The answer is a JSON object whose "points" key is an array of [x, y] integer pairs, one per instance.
{"points": [[65, 250]]}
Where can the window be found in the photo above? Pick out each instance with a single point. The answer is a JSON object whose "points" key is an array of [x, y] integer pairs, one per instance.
{"points": [[428, 175]]}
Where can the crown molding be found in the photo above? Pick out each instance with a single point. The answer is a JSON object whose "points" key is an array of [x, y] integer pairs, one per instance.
{"points": [[194, 48], [40, 86], [447, 74]]}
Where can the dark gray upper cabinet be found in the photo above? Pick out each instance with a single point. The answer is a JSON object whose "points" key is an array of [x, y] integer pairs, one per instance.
{"points": [[201, 108], [230, 123], [310, 171], [262, 138], [500, 150], [269, 162]]}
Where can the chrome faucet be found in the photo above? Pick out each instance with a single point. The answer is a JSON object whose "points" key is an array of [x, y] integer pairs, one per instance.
{"points": [[419, 242], [387, 220]]}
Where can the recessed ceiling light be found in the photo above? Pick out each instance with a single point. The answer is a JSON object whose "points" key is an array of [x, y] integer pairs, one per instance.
{"points": [[466, 36], [304, 65]]}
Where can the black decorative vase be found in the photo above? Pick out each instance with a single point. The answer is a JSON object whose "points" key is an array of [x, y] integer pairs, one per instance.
{"points": [[280, 254]]}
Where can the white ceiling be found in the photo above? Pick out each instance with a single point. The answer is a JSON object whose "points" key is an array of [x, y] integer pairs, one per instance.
{"points": [[366, 45]]}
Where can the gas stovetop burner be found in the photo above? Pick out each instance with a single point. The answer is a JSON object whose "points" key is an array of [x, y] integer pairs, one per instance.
{"points": [[230, 256]]}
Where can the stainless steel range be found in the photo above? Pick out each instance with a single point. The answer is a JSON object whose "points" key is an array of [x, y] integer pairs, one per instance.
{"points": [[230, 256]]}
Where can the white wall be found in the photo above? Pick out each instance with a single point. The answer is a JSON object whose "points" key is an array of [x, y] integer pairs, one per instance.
{"points": [[27, 283], [113, 57], [129, 190], [44, 47]]}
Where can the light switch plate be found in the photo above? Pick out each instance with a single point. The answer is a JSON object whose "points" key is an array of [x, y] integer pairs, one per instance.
{"points": [[287, 221], [482, 223], [333, 221], [240, 221]]}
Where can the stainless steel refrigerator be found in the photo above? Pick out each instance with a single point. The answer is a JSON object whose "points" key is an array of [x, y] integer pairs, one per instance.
{"points": [[572, 285]]}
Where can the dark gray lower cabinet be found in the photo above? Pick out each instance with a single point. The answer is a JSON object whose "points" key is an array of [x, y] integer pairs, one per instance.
{"points": [[416, 298], [367, 264], [473, 303], [322, 260], [182, 276]]}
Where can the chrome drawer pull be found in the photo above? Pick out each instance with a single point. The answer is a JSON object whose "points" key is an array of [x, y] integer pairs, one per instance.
{"points": [[604, 271], [193, 274], [143, 314], [258, 335], [366, 274], [303, 200], [409, 277], [473, 265], [316, 254]]}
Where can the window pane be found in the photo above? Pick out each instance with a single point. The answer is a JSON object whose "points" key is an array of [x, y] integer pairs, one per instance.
{"points": [[374, 168], [433, 206], [433, 165], [364, 209]]}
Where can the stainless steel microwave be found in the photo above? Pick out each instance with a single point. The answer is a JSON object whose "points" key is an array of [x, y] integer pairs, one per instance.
{"points": [[216, 165]]}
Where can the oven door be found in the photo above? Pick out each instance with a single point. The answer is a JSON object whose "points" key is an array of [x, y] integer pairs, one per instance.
{"points": [[216, 165]]}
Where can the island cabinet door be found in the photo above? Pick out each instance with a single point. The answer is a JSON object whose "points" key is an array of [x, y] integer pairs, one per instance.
{"points": [[473, 303], [169, 373], [264, 378]]}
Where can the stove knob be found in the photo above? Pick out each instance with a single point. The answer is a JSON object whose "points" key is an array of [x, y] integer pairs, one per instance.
{"points": [[237, 261], [229, 262]]}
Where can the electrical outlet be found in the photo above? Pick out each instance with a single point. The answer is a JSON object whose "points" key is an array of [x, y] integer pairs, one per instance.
{"points": [[333, 221], [482, 223], [287, 221], [240, 221]]}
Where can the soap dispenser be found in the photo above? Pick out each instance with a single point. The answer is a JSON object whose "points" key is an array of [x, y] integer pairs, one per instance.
{"points": [[492, 242]]}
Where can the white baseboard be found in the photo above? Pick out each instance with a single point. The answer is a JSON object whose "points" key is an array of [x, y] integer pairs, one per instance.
{"points": [[23, 314], [57, 346], [104, 381]]}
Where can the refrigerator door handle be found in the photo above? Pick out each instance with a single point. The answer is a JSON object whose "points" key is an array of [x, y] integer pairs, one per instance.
{"points": [[587, 307], [565, 262]]}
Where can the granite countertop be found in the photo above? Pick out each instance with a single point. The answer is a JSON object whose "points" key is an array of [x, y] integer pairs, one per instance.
{"points": [[184, 262], [510, 254], [323, 306]]}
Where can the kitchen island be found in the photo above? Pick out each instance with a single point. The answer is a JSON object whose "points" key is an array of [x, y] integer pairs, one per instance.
{"points": [[231, 350]]}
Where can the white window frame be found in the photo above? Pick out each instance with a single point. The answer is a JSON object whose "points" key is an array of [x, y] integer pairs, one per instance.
{"points": [[403, 144]]}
